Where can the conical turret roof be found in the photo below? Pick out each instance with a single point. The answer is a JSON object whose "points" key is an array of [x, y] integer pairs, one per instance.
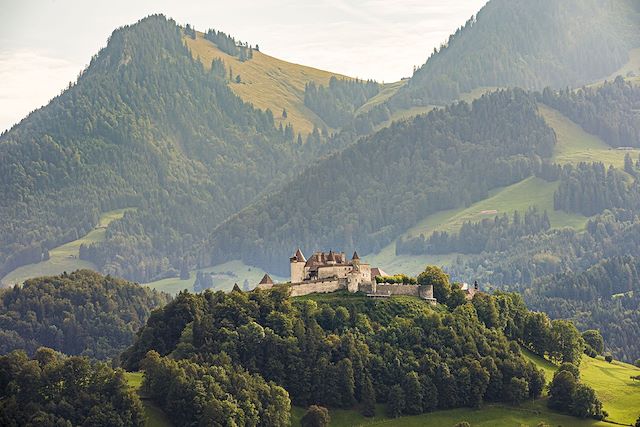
{"points": [[300, 256], [355, 256], [266, 280]]}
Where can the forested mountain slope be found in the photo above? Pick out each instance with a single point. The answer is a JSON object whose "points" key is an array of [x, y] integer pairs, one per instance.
{"points": [[529, 44], [365, 196], [145, 126]]}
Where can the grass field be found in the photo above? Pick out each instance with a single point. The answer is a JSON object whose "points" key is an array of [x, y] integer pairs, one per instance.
{"points": [[529, 192], [268, 83], [620, 395], [530, 414], [224, 277], [64, 257], [575, 145]]}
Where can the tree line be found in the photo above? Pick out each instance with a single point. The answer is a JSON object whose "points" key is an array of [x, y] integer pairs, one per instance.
{"points": [[476, 237]]}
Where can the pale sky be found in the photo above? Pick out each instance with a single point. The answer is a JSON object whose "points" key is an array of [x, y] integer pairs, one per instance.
{"points": [[44, 44]]}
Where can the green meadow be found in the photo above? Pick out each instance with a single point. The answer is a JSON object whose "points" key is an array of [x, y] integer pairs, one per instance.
{"points": [[65, 257]]}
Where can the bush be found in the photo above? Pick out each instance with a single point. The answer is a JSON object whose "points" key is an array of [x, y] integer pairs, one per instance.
{"points": [[608, 358], [570, 367], [637, 363], [316, 416]]}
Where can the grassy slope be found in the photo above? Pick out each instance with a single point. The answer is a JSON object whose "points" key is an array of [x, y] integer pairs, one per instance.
{"points": [[619, 394], [575, 145], [155, 416], [530, 192], [64, 257], [529, 415], [268, 83]]}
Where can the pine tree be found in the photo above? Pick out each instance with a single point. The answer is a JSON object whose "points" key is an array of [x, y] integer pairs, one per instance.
{"points": [[368, 398]]}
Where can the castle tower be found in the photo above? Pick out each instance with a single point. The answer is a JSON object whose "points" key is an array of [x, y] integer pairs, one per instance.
{"points": [[331, 258], [297, 263], [355, 259]]}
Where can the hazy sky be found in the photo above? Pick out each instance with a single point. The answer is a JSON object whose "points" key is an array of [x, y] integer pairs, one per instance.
{"points": [[45, 43]]}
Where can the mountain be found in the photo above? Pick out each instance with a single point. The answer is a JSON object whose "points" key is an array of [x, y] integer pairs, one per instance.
{"points": [[149, 130], [529, 44]]}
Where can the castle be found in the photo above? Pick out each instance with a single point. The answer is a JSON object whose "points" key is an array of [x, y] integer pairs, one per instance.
{"points": [[326, 272]]}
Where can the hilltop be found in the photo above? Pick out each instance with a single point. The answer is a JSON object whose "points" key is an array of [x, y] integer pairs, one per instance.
{"points": [[530, 45]]}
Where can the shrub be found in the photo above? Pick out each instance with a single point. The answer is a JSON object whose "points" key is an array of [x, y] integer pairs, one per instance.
{"points": [[316, 416], [608, 358]]}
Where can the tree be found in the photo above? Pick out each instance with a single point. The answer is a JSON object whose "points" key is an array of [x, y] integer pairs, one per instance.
{"points": [[486, 308], [570, 367], [517, 390], [637, 363], [585, 404], [638, 422], [238, 79], [561, 391], [567, 343], [593, 339], [437, 278], [413, 394], [284, 113], [537, 332], [316, 416], [396, 401], [368, 398], [628, 165]]}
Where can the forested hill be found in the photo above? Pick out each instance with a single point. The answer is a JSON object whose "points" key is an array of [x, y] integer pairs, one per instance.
{"points": [[146, 126], [529, 44], [81, 313], [370, 192]]}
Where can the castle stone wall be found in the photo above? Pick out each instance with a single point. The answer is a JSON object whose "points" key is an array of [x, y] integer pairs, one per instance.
{"points": [[318, 287], [388, 289]]}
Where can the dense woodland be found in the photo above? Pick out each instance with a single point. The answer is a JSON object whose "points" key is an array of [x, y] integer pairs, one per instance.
{"points": [[337, 103], [54, 390], [137, 130], [589, 276], [473, 238], [520, 43], [81, 313], [368, 193], [341, 350]]}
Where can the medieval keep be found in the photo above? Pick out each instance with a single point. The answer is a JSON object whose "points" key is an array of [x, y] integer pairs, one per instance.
{"points": [[326, 272]]}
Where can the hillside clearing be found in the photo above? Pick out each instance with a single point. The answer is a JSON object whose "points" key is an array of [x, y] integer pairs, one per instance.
{"points": [[575, 145], [155, 416], [268, 83], [619, 394], [65, 257]]}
